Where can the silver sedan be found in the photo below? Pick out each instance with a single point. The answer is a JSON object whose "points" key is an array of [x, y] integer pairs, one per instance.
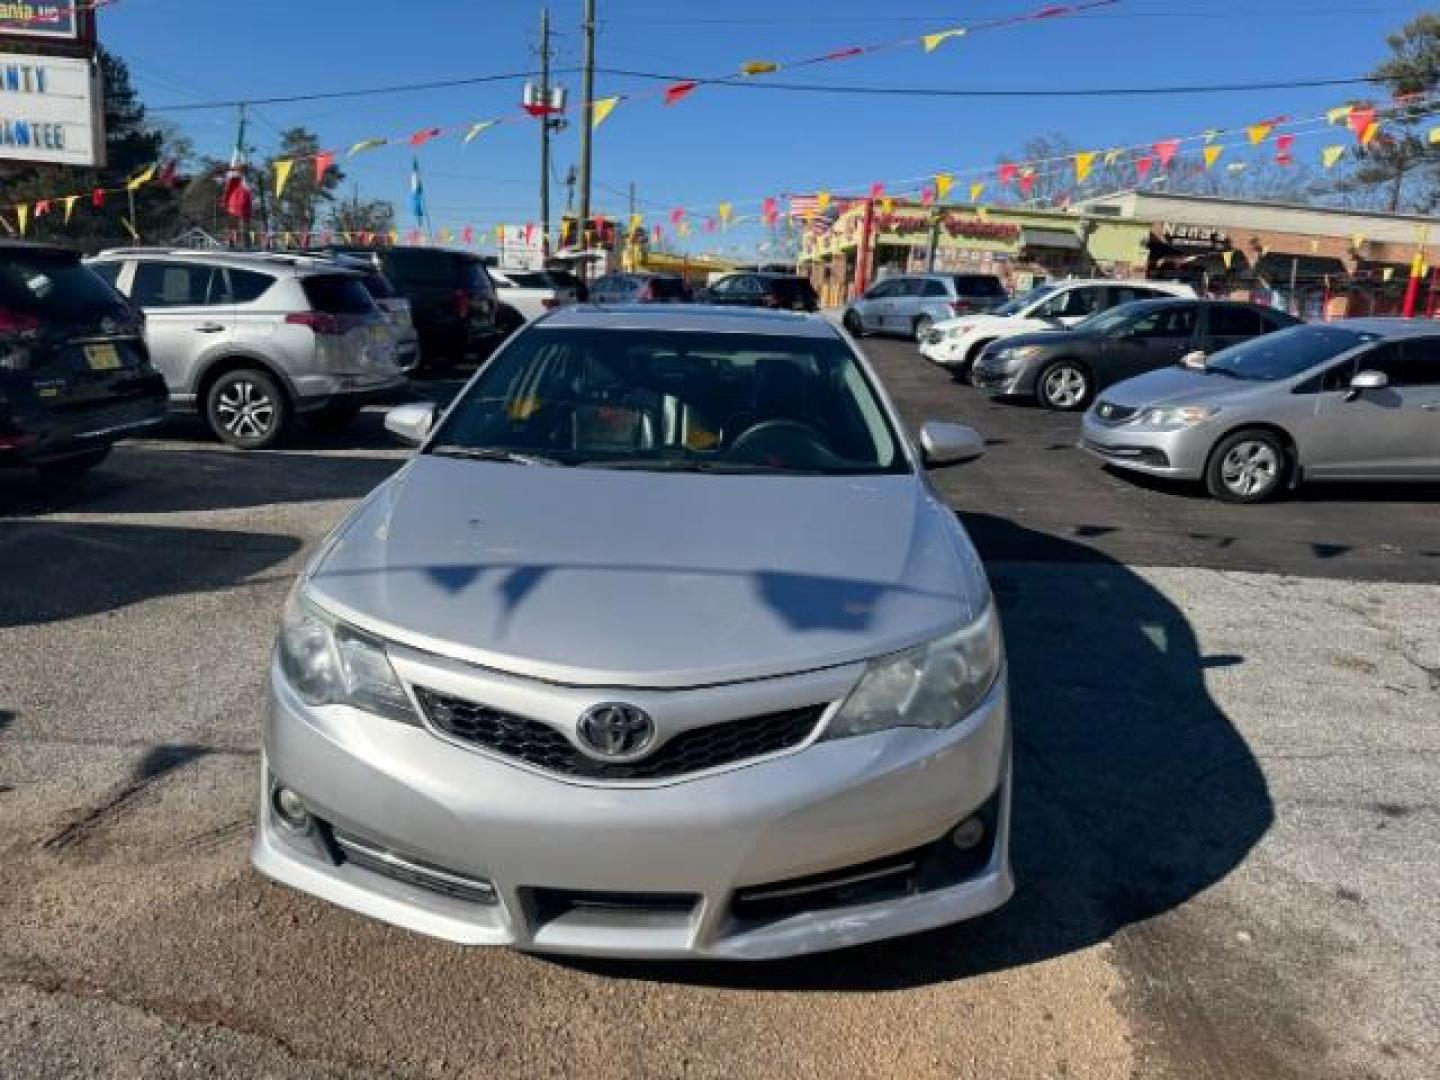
{"points": [[662, 645], [1353, 400]]}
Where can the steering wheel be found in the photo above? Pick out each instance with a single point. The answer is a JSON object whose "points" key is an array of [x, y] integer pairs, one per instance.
{"points": [[776, 437]]}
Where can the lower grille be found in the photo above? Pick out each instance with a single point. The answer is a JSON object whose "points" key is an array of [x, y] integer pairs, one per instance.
{"points": [[540, 745]]}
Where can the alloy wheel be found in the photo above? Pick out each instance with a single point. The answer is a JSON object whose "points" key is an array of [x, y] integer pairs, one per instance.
{"points": [[1250, 468], [1065, 387], [246, 410]]}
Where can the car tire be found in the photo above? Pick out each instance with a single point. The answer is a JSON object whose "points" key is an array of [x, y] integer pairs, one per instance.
{"points": [[72, 469], [854, 326], [331, 419], [1064, 386], [922, 327], [247, 409], [1248, 466]]}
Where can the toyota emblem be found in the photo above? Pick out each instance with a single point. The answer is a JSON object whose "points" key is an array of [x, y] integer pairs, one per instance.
{"points": [[616, 731]]}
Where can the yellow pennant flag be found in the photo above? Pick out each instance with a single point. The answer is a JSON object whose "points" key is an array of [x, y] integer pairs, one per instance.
{"points": [[636, 220], [976, 190], [1330, 155], [1368, 135], [1084, 162], [1338, 115], [1228, 257], [725, 210], [476, 129], [141, 179], [758, 67], [887, 205], [1112, 156], [601, 110], [366, 144], [943, 183], [683, 228], [1259, 133], [822, 200], [69, 201], [22, 215], [934, 41], [1434, 137], [1211, 154], [282, 175], [444, 236]]}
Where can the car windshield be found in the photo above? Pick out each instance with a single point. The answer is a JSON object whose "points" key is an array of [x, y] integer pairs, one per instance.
{"points": [[1286, 353], [1113, 319], [1015, 306], [978, 285], [672, 400]]}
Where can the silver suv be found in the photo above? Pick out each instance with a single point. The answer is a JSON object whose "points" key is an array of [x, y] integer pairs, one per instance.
{"points": [[251, 341]]}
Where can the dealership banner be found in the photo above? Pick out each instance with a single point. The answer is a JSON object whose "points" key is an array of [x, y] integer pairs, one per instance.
{"points": [[39, 20], [49, 110]]}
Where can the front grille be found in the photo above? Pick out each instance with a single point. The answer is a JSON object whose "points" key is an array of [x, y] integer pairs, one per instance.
{"points": [[1107, 412], [540, 745]]}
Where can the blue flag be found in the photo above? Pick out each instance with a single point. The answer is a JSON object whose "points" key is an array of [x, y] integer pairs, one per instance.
{"points": [[417, 193]]}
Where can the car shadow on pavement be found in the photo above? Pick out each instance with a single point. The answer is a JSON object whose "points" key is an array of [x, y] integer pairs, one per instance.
{"points": [[1332, 491], [1134, 792], [53, 571]]}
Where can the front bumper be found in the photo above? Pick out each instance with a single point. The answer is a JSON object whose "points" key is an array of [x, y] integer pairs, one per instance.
{"points": [[1019, 382], [37, 437], [1179, 454], [829, 806]]}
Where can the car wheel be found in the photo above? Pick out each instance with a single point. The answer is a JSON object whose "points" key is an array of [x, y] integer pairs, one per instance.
{"points": [[331, 418], [1247, 467], [71, 469], [922, 327], [247, 410], [1064, 386], [853, 324]]}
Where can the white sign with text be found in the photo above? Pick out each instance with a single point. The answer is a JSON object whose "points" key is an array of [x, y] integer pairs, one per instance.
{"points": [[50, 110]]}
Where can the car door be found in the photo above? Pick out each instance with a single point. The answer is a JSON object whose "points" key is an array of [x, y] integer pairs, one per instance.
{"points": [[188, 314], [903, 305], [1393, 431], [1073, 305], [871, 306], [1156, 339]]}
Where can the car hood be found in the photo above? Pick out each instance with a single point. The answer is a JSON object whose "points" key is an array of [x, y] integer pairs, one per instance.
{"points": [[1051, 339], [952, 326], [1179, 385], [623, 578]]}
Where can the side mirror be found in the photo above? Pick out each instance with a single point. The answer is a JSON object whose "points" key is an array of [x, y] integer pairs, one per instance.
{"points": [[1194, 359], [943, 443], [411, 423], [1367, 380]]}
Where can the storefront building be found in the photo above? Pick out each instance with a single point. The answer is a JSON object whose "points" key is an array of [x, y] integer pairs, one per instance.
{"points": [[1315, 262], [1022, 247]]}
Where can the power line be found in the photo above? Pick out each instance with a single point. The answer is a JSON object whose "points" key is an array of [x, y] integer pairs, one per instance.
{"points": [[330, 95], [982, 92]]}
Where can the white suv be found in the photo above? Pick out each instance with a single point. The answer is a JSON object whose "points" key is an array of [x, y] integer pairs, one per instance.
{"points": [[957, 343]]}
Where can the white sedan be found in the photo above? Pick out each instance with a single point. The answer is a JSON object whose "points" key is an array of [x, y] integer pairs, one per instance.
{"points": [[524, 295]]}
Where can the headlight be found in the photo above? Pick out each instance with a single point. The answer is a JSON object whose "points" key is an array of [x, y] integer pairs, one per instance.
{"points": [[932, 686], [330, 662], [1025, 352], [1179, 416]]}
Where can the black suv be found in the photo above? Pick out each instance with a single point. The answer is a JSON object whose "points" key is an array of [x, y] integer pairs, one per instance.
{"points": [[785, 292], [75, 376], [452, 299]]}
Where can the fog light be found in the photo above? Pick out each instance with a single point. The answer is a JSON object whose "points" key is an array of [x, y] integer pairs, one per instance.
{"points": [[291, 809], [968, 834]]}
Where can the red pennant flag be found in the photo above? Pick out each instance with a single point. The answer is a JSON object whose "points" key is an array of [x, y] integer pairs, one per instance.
{"points": [[420, 138], [97, 198], [677, 91], [42, 208], [656, 233], [168, 173], [710, 225], [1142, 166], [1166, 150], [529, 232], [877, 191], [1027, 182], [1361, 117], [1053, 11], [467, 235], [927, 196], [769, 208], [1008, 172], [414, 236], [1283, 145], [323, 161], [677, 215], [1284, 159], [843, 54]]}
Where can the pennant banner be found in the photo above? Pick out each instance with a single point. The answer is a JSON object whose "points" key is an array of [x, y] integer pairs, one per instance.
{"points": [[943, 183], [976, 190], [758, 67], [679, 91], [282, 176], [601, 111], [367, 144], [931, 42], [1211, 154], [142, 179], [323, 161], [477, 129], [1084, 162]]}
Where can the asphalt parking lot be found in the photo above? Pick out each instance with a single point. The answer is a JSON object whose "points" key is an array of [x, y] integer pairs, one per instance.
{"points": [[1228, 845]]}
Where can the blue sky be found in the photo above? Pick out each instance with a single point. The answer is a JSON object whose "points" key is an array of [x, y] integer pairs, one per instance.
{"points": [[730, 144]]}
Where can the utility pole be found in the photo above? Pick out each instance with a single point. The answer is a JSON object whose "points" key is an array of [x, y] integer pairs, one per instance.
{"points": [[545, 124], [587, 108]]}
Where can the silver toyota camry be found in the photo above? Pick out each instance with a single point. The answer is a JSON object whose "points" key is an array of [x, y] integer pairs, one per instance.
{"points": [[662, 645]]}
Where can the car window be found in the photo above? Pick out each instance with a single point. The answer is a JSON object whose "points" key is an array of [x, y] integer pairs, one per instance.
{"points": [[1072, 303], [165, 284], [1412, 362], [1227, 321], [420, 269], [883, 291], [908, 287], [667, 288], [110, 271], [931, 287], [1124, 294], [473, 277], [1164, 323], [978, 285], [675, 400], [727, 286], [1334, 378], [247, 285], [1286, 353], [57, 288], [337, 294]]}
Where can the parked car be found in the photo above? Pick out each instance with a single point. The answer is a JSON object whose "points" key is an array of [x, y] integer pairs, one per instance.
{"points": [[912, 304], [640, 288], [1351, 400], [521, 296], [1064, 368], [75, 376], [452, 300], [251, 341], [394, 306], [564, 279], [784, 292], [673, 730], [957, 343]]}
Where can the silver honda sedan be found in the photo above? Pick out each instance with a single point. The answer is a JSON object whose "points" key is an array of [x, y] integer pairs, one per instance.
{"points": [[662, 645], [1351, 400]]}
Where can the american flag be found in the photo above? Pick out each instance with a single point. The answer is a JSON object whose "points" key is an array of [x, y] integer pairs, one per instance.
{"points": [[804, 206]]}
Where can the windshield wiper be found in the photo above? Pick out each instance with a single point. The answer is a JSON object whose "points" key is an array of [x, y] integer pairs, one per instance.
{"points": [[722, 467], [492, 453]]}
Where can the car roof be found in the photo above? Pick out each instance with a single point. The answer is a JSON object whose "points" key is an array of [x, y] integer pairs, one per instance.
{"points": [[18, 246], [689, 318], [303, 265], [1392, 327]]}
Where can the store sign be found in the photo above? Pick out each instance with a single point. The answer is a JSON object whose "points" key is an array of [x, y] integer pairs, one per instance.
{"points": [[1194, 237], [50, 110], [520, 249], [39, 21], [955, 226]]}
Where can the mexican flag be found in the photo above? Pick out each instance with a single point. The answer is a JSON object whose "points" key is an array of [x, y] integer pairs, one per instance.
{"points": [[235, 198]]}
